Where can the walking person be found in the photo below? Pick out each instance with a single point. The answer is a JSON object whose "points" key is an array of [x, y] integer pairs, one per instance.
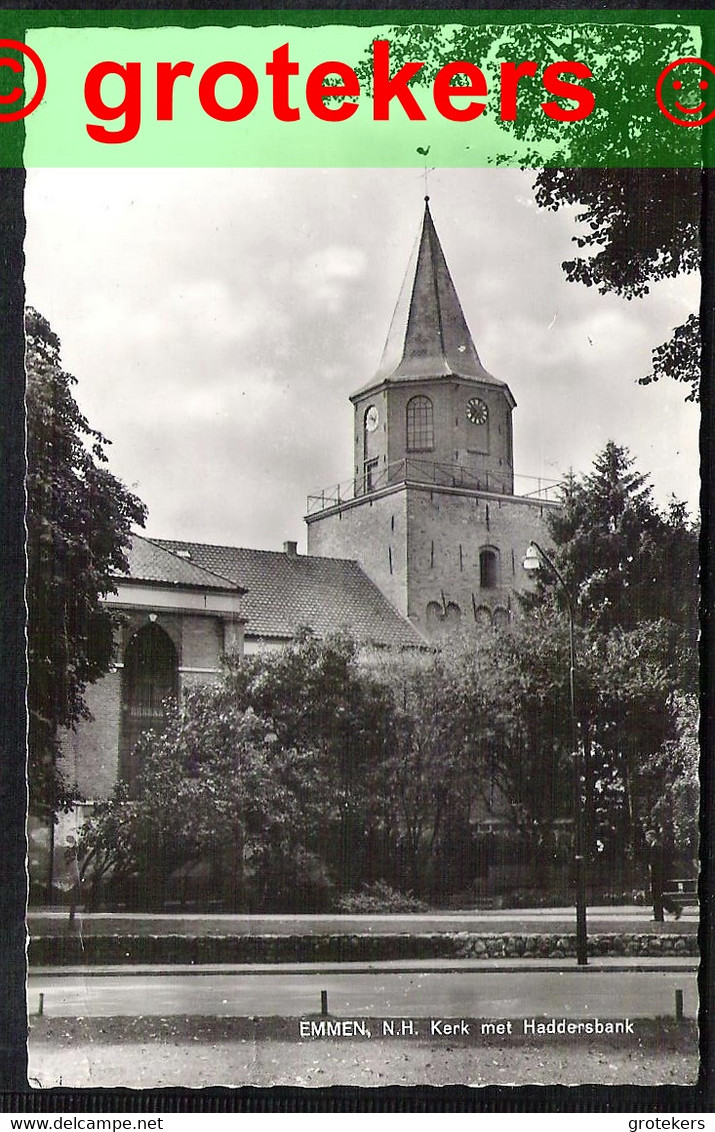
{"points": [[661, 870]]}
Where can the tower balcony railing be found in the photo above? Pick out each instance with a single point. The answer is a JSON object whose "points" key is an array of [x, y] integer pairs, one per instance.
{"points": [[415, 469]]}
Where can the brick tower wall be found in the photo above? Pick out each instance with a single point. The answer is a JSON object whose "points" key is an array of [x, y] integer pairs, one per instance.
{"points": [[447, 530], [372, 531]]}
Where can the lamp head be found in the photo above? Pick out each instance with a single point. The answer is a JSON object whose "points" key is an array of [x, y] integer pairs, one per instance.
{"points": [[532, 562]]}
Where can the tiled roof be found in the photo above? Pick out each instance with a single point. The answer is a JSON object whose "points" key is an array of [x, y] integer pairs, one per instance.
{"points": [[286, 591], [151, 562]]}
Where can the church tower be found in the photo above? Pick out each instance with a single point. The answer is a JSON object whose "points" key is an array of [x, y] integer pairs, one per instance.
{"points": [[432, 412], [431, 513]]}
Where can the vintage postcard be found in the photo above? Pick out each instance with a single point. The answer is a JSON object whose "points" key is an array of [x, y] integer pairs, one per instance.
{"points": [[363, 511]]}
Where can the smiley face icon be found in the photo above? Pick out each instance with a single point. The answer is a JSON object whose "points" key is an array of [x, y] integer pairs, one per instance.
{"points": [[685, 91]]}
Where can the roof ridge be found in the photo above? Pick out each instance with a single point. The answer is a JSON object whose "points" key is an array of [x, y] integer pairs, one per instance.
{"points": [[429, 337], [434, 250], [326, 593], [393, 608], [195, 565], [221, 546], [251, 550]]}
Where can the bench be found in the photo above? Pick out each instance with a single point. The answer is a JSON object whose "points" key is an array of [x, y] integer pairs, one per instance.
{"points": [[682, 889]]}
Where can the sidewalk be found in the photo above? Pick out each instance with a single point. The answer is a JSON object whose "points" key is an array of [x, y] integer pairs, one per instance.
{"points": [[597, 964], [621, 918]]}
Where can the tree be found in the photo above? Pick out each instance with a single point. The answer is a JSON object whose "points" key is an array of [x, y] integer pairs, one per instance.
{"points": [[263, 780], [633, 181], [623, 559], [675, 785], [641, 225], [220, 798], [430, 773], [626, 716], [679, 358], [502, 737], [631, 571], [478, 724], [483, 729], [79, 518], [318, 695], [622, 131]]}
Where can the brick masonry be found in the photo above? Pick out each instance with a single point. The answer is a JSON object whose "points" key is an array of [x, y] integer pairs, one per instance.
{"points": [[91, 752], [421, 545], [447, 531], [202, 642], [372, 531], [484, 451]]}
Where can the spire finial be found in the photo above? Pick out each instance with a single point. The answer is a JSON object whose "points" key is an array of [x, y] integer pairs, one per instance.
{"points": [[423, 152]]}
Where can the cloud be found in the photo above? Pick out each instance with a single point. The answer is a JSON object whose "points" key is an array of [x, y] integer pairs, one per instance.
{"points": [[217, 321], [326, 276], [208, 308]]}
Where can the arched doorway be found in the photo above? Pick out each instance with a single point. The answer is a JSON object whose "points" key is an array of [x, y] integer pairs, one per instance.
{"points": [[150, 677]]}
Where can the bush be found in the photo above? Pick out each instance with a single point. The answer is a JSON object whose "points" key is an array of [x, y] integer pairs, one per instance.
{"points": [[379, 897]]}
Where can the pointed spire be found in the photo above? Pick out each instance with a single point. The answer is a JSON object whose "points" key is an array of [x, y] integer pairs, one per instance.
{"points": [[429, 336]]}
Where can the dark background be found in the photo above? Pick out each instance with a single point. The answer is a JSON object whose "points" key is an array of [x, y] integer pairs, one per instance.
{"points": [[14, 1094]]}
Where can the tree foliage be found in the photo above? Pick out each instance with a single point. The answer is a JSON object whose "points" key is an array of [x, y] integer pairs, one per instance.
{"points": [[679, 358], [261, 780], [624, 560], [638, 226], [79, 518], [639, 221], [316, 694], [625, 130], [220, 799], [631, 571], [676, 784], [484, 734], [431, 774], [479, 723]]}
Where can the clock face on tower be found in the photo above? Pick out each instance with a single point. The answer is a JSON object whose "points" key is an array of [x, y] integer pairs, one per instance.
{"points": [[477, 411], [372, 418]]}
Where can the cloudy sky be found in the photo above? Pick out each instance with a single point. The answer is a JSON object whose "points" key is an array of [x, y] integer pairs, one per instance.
{"points": [[217, 321]]}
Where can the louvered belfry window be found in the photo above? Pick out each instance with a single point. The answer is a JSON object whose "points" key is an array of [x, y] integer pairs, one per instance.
{"points": [[420, 425]]}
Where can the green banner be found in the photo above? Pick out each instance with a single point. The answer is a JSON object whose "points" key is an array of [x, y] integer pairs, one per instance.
{"points": [[458, 89]]}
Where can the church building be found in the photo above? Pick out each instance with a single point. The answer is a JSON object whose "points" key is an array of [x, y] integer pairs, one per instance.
{"points": [[427, 535], [431, 514]]}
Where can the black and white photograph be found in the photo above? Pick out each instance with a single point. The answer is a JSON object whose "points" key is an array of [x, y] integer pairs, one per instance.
{"points": [[362, 626]]}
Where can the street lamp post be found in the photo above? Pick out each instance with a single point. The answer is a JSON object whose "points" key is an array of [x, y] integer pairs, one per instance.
{"points": [[535, 556]]}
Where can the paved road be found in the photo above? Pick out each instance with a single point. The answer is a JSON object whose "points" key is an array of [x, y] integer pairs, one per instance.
{"points": [[380, 992]]}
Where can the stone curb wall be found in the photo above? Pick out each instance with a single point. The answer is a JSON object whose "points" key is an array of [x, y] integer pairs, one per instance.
{"points": [[116, 950]]}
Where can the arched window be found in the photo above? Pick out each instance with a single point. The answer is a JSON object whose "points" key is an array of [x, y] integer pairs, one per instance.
{"points": [[488, 568], [150, 677], [420, 425]]}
